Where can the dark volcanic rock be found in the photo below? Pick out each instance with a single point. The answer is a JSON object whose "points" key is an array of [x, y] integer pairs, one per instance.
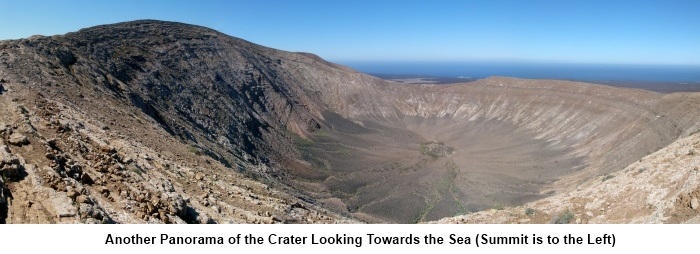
{"points": [[194, 82]]}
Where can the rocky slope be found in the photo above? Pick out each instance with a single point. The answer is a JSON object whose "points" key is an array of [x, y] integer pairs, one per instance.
{"points": [[151, 121], [663, 187], [119, 129]]}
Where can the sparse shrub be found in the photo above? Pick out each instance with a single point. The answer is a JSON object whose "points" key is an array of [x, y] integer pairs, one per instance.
{"points": [[694, 132], [498, 207], [321, 133], [22, 109], [564, 218], [607, 177], [302, 142], [344, 151], [195, 150], [529, 211], [136, 170]]}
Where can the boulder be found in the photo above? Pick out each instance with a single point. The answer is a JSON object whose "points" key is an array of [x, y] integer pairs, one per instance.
{"points": [[9, 164], [63, 206], [18, 139], [6, 157], [86, 179], [51, 143]]}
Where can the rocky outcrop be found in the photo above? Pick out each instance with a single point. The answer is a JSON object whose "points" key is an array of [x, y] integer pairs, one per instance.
{"points": [[18, 139], [75, 169], [9, 164]]}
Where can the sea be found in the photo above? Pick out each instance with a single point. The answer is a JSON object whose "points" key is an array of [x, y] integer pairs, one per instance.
{"points": [[660, 78]]}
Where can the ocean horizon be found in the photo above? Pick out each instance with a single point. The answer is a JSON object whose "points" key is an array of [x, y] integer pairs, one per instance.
{"points": [[563, 71]]}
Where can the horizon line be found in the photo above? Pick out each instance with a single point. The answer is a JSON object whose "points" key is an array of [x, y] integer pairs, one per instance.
{"points": [[512, 61]]}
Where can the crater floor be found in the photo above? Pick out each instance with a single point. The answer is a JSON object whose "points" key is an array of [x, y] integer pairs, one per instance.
{"points": [[420, 153], [432, 168]]}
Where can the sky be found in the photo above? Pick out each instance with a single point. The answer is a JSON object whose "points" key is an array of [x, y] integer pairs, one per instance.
{"points": [[610, 32]]}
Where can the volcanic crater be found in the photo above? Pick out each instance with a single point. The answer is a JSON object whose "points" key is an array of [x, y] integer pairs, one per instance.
{"points": [[360, 146], [411, 153]]}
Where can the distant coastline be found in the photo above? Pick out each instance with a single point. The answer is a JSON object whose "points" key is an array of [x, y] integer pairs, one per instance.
{"points": [[664, 79]]}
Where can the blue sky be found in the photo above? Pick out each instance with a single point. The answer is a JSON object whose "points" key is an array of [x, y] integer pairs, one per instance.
{"points": [[614, 32]]}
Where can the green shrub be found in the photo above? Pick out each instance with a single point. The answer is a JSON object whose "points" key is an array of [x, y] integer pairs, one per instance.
{"points": [[529, 211], [564, 218], [498, 207], [195, 150]]}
